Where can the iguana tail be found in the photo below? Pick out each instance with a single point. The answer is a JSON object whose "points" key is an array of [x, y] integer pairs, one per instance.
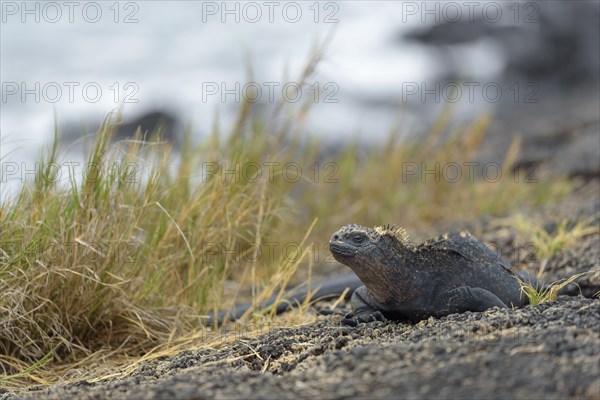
{"points": [[320, 289]]}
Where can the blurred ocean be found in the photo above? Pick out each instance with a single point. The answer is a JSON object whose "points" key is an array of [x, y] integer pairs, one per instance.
{"points": [[76, 61], [164, 59]]}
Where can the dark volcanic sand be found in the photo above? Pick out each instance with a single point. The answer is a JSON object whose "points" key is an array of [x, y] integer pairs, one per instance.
{"points": [[550, 351]]}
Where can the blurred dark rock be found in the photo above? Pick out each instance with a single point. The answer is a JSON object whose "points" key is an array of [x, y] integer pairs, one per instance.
{"points": [[156, 122], [555, 58], [559, 42]]}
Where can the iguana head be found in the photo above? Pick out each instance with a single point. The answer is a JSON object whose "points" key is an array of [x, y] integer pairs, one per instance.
{"points": [[376, 255]]}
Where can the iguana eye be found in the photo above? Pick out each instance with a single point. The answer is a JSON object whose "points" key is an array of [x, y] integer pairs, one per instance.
{"points": [[358, 239]]}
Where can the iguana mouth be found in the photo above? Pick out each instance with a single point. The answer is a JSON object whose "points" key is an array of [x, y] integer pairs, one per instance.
{"points": [[341, 249]]}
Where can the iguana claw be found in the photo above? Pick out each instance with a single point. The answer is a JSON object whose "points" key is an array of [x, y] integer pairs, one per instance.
{"points": [[364, 318]]}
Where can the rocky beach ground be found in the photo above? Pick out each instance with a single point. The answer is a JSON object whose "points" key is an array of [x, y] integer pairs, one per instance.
{"points": [[549, 351]]}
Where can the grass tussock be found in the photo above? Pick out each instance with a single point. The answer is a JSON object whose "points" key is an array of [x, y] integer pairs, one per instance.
{"points": [[539, 295], [125, 261]]}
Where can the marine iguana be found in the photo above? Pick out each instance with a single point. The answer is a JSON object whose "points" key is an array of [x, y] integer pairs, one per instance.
{"points": [[481, 277], [451, 274]]}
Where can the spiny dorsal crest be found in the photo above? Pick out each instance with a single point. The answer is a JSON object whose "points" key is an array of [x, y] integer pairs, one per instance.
{"points": [[359, 228], [397, 233]]}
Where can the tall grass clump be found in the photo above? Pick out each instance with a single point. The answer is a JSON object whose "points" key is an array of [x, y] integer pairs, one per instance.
{"points": [[135, 251], [129, 256]]}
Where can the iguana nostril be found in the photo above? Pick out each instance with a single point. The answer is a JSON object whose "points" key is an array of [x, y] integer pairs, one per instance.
{"points": [[335, 238]]}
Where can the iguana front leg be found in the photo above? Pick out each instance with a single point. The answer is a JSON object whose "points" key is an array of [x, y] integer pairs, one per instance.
{"points": [[465, 298], [364, 308]]}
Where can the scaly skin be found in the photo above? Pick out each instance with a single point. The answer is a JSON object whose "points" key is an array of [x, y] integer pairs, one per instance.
{"points": [[451, 274]]}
